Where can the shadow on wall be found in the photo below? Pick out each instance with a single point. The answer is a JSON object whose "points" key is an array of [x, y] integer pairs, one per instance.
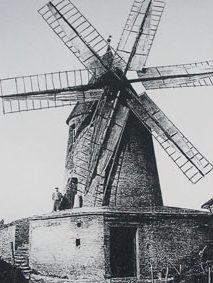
{"points": [[10, 274]]}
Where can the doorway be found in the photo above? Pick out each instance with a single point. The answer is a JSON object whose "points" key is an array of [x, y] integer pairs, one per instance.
{"points": [[123, 252]]}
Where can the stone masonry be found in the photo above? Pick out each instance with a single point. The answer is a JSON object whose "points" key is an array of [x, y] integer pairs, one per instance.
{"points": [[75, 244]]}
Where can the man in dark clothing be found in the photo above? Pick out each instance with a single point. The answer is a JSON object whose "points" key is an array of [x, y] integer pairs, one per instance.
{"points": [[65, 203], [68, 199]]}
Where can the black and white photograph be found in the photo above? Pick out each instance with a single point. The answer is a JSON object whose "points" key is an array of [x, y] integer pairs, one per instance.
{"points": [[106, 145]]}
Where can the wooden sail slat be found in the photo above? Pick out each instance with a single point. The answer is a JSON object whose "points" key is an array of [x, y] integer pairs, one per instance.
{"points": [[105, 122], [139, 32], [32, 84], [108, 149], [191, 162], [185, 75], [102, 122], [81, 153], [110, 143], [48, 100], [76, 33]]}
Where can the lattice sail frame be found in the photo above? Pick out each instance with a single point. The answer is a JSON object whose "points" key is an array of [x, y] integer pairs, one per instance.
{"points": [[190, 161], [65, 88], [49, 90], [139, 32], [78, 34]]}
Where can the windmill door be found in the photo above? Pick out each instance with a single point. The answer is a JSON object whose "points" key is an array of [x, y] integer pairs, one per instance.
{"points": [[123, 252]]}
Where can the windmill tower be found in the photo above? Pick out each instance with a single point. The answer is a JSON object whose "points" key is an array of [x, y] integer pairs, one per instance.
{"points": [[110, 149], [110, 154]]}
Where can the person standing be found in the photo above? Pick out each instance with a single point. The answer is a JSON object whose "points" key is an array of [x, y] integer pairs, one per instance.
{"points": [[56, 197]]}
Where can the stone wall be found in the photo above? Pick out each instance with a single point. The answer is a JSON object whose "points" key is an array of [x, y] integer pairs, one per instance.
{"points": [[75, 244], [138, 180], [7, 238], [70, 247], [16, 234], [22, 232], [173, 242], [138, 183], [165, 240]]}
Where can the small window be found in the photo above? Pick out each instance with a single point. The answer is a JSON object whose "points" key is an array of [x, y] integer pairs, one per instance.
{"points": [[77, 242], [79, 224]]}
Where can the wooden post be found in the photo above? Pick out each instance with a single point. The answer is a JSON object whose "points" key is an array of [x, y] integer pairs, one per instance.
{"points": [[167, 272], [12, 253], [152, 277], [209, 274]]}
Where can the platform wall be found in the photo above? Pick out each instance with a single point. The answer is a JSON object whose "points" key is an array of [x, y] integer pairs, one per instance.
{"points": [[165, 241], [69, 247]]}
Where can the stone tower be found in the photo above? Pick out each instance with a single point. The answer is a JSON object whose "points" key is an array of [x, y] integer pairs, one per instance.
{"points": [[134, 180]]}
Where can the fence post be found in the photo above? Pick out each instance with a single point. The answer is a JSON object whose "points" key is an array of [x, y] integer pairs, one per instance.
{"points": [[167, 271], [152, 277], [12, 253]]}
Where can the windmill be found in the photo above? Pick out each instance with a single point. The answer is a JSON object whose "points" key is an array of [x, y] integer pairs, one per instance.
{"points": [[111, 124]]}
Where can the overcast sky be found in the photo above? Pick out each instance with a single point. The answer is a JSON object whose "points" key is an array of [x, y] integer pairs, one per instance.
{"points": [[33, 145]]}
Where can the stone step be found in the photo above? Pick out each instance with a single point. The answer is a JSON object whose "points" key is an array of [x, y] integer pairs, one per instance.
{"points": [[19, 258], [22, 252], [25, 268], [21, 264], [24, 246]]}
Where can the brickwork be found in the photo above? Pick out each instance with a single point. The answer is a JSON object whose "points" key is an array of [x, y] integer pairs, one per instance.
{"points": [[138, 181], [16, 233], [22, 233], [7, 236], [76, 244], [164, 239], [173, 242], [68, 247]]}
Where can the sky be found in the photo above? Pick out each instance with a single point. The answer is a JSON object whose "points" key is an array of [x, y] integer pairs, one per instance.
{"points": [[33, 144]]}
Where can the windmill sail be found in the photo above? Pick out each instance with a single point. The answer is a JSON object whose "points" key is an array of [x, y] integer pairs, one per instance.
{"points": [[77, 33], [85, 150], [185, 75], [139, 32], [96, 146], [191, 162], [48, 90], [103, 125], [107, 151]]}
